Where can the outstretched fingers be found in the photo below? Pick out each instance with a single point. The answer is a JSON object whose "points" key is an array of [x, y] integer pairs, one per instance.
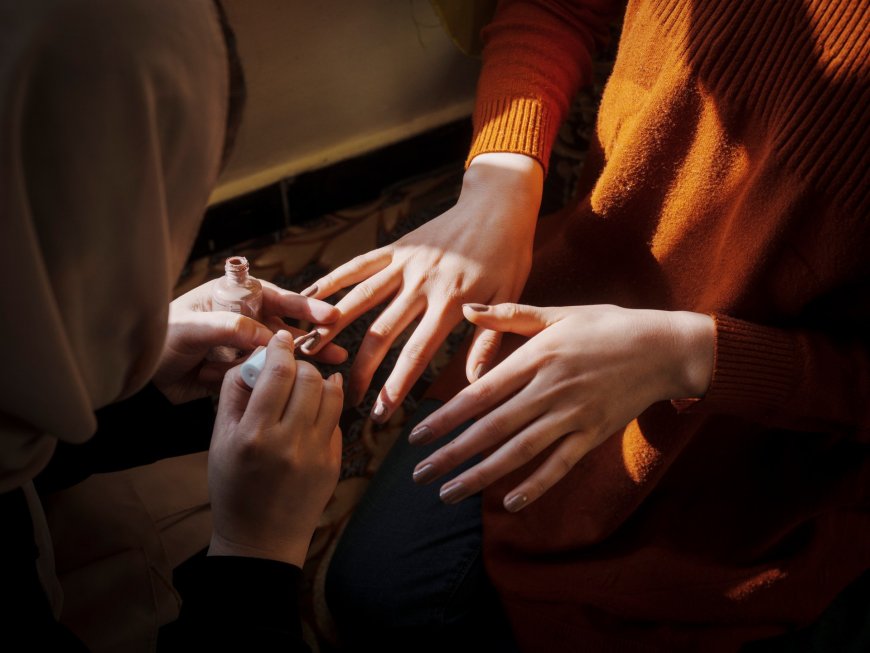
{"points": [[278, 302], [508, 377], [418, 351], [497, 428], [554, 468], [377, 341], [356, 270], [365, 296], [518, 449]]}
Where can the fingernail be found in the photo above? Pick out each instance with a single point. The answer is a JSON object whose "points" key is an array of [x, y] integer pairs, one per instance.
{"points": [[453, 493], [425, 474], [420, 435], [516, 503], [479, 371], [286, 337], [310, 291], [337, 379], [379, 412], [308, 342], [480, 308]]}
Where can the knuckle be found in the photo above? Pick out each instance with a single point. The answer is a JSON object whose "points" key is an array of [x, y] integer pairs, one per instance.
{"points": [[448, 456], [477, 479], [482, 391], [563, 462], [250, 447], [525, 448], [493, 427], [282, 369], [365, 291], [381, 331], [307, 374], [415, 354], [510, 311], [489, 341]]}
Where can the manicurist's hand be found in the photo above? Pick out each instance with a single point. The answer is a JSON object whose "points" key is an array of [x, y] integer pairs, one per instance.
{"points": [[585, 373], [274, 457], [478, 251], [184, 373]]}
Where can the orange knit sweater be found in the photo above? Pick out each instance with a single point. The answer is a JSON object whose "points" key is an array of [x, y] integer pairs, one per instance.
{"points": [[730, 178]]}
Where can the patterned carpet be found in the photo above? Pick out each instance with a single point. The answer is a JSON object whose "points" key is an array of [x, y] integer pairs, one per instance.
{"points": [[295, 257]]}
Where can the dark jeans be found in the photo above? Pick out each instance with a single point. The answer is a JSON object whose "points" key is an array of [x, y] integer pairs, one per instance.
{"points": [[408, 571]]}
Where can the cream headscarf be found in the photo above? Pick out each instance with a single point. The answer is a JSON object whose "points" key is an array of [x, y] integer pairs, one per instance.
{"points": [[112, 121]]}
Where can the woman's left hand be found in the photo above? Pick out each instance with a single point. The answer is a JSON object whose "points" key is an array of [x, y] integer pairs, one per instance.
{"points": [[586, 372], [184, 374]]}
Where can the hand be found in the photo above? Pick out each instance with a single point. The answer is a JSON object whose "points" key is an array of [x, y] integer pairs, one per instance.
{"points": [[183, 373], [586, 372], [274, 458], [478, 251]]}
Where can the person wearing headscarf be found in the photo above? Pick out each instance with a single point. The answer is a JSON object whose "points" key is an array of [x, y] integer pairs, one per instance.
{"points": [[113, 129]]}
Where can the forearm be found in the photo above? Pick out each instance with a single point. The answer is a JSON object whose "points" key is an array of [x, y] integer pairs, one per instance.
{"points": [[238, 603], [536, 55]]}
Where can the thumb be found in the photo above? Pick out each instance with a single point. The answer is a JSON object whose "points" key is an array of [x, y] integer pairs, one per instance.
{"points": [[206, 330], [511, 318]]}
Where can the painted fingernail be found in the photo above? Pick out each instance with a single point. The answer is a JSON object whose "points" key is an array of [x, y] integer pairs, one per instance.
{"points": [[310, 291], [379, 412], [424, 474], [453, 492], [420, 435], [479, 308], [308, 342], [516, 503]]}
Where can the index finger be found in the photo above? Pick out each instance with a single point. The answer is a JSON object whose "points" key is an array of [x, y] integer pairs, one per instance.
{"points": [[355, 270], [283, 303], [275, 383]]}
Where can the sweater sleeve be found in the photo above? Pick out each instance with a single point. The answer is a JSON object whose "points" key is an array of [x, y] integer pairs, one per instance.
{"points": [[799, 380], [536, 55], [239, 604]]}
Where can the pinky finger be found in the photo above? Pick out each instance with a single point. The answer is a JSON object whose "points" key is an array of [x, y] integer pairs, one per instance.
{"points": [[557, 465]]}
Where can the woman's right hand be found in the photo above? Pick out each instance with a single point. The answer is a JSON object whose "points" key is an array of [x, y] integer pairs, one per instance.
{"points": [[274, 457], [478, 251]]}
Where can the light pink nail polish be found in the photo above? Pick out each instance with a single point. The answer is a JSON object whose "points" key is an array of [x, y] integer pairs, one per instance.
{"points": [[379, 412]]}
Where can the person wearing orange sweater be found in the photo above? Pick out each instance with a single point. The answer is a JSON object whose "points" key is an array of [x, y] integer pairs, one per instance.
{"points": [[675, 452]]}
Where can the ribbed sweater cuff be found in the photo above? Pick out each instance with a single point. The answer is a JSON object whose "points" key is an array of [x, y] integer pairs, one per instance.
{"points": [[755, 368], [520, 125]]}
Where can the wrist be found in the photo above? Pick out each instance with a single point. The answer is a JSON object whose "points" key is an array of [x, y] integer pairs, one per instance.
{"points": [[293, 552], [494, 177], [692, 336]]}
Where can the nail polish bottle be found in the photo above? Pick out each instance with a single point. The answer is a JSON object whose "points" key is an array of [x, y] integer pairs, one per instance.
{"points": [[236, 292]]}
